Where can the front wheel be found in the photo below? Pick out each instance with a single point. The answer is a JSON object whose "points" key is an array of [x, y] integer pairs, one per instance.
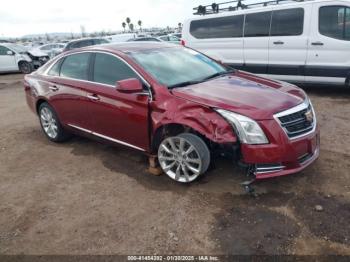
{"points": [[184, 157]]}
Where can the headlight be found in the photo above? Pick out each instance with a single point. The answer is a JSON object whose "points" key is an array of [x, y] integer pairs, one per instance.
{"points": [[248, 131]]}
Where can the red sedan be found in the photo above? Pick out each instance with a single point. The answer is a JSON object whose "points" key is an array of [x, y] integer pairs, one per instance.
{"points": [[177, 104]]}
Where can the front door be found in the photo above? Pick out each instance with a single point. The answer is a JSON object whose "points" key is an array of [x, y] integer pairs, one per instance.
{"points": [[118, 117]]}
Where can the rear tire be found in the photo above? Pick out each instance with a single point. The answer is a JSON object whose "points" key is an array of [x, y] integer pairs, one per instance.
{"points": [[25, 67], [184, 157], [51, 125]]}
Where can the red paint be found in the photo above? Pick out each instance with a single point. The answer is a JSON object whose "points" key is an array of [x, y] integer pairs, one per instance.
{"points": [[128, 116]]}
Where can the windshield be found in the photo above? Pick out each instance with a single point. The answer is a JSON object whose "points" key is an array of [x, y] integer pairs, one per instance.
{"points": [[175, 67], [18, 48]]}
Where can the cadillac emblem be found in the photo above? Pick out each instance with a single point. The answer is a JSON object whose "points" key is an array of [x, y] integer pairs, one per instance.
{"points": [[309, 116]]}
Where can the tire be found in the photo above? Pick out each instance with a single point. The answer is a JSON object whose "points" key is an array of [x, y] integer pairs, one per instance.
{"points": [[184, 157], [25, 67], [51, 125]]}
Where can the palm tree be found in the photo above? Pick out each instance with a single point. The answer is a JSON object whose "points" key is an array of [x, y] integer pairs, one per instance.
{"points": [[131, 27], [124, 25], [140, 24], [128, 21]]}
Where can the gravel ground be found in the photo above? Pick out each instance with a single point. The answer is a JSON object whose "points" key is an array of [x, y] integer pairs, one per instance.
{"points": [[86, 197]]}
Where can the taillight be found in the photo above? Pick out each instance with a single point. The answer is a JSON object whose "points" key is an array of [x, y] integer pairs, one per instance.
{"points": [[183, 42]]}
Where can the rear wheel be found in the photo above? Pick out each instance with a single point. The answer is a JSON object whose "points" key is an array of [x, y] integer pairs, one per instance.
{"points": [[184, 157], [51, 124], [25, 67]]}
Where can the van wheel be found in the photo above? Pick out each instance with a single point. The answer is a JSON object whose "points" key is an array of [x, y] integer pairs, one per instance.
{"points": [[51, 124], [25, 67], [184, 157]]}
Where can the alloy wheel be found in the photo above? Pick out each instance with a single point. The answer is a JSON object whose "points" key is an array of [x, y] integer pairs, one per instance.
{"points": [[48, 122], [179, 159]]}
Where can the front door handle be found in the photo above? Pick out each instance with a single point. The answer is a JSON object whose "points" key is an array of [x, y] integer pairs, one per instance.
{"points": [[317, 43], [54, 88], [93, 97], [278, 43]]}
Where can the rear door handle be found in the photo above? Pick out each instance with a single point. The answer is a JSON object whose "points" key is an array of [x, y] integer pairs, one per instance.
{"points": [[93, 97], [54, 88], [317, 43], [278, 43]]}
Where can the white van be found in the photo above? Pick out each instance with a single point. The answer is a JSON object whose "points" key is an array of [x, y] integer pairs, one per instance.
{"points": [[304, 42]]}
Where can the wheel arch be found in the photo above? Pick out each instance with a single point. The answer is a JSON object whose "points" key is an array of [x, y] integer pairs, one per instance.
{"points": [[39, 102], [175, 128]]}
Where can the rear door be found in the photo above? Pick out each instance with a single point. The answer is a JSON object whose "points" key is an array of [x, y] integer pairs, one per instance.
{"points": [[288, 43], [256, 42], [119, 117], [328, 58], [65, 82]]}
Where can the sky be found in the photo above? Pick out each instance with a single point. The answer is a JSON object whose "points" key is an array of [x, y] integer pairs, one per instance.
{"points": [[23, 17]]}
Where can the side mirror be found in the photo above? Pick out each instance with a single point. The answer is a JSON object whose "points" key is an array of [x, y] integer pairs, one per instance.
{"points": [[131, 85], [10, 53]]}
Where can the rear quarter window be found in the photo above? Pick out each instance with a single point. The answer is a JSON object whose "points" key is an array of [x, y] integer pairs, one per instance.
{"points": [[221, 27]]}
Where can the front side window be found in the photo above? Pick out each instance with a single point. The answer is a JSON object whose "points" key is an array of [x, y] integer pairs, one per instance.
{"points": [[287, 22], [257, 25], [334, 22], [4, 50], [221, 27], [109, 69], [175, 66], [76, 66]]}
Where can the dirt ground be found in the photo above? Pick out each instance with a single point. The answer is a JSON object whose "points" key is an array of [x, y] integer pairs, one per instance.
{"points": [[85, 197]]}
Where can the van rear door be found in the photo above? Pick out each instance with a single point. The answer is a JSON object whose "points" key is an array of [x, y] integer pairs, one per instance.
{"points": [[288, 43]]}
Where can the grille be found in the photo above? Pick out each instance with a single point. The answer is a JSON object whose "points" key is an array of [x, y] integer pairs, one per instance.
{"points": [[298, 123]]}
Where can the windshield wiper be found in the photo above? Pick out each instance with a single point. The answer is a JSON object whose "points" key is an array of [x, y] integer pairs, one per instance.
{"points": [[219, 74], [186, 83]]}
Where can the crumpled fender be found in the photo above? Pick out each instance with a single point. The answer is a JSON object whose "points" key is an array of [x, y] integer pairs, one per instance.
{"points": [[196, 116]]}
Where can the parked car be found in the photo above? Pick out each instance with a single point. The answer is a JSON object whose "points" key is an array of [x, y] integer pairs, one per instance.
{"points": [[15, 58], [52, 49], [170, 39], [178, 104], [145, 39], [84, 42], [304, 41], [120, 37]]}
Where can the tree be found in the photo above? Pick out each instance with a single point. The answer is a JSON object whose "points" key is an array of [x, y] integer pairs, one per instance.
{"points": [[131, 27], [128, 21], [124, 25], [180, 26], [140, 24]]}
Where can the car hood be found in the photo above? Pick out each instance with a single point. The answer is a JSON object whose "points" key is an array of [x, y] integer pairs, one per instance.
{"points": [[36, 52], [245, 94]]}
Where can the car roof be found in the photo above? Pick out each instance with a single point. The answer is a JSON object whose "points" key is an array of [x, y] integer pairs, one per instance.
{"points": [[126, 47]]}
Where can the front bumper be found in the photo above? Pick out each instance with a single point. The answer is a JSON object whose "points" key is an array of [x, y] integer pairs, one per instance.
{"points": [[282, 156]]}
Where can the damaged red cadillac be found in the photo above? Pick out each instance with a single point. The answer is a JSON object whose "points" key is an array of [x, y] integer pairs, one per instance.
{"points": [[177, 105]]}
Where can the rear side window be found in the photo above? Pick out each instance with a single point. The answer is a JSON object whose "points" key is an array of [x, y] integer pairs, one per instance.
{"points": [[55, 69], [221, 27], [287, 22], [334, 22], [76, 66], [109, 69], [257, 25]]}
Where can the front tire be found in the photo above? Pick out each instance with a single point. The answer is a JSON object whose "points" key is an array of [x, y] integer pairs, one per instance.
{"points": [[184, 157], [25, 67], [51, 125]]}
